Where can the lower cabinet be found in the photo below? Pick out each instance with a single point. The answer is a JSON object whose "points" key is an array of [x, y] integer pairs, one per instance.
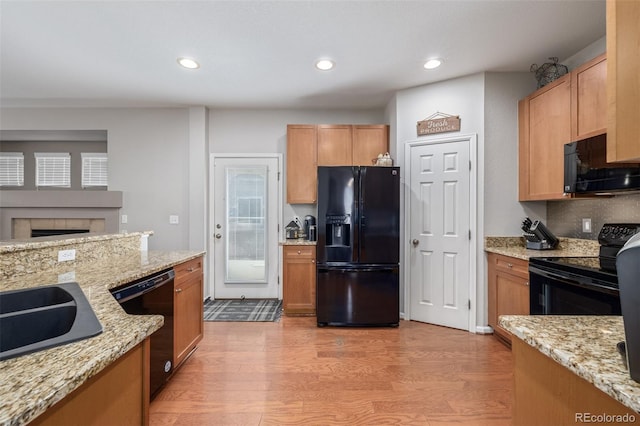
{"points": [[508, 284], [188, 299], [548, 393], [118, 395], [299, 283]]}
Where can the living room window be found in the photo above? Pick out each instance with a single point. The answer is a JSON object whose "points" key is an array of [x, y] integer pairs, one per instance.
{"points": [[94, 169], [53, 169], [11, 169]]}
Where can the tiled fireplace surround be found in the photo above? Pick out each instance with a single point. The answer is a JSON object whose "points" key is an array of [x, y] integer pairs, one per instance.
{"points": [[22, 211]]}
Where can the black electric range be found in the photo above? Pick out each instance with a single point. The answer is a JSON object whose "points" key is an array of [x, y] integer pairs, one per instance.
{"points": [[580, 285]]}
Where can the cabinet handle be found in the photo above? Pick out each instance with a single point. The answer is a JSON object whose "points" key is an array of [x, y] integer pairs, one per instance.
{"points": [[178, 290], [509, 265], [191, 269], [526, 283], [299, 252], [313, 261]]}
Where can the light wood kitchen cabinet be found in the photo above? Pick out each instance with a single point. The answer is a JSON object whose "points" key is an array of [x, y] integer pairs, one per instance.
{"points": [[118, 395], [309, 146], [334, 145], [302, 181], [368, 142], [589, 99], [544, 126], [548, 393], [299, 283], [508, 286], [623, 80], [188, 321]]}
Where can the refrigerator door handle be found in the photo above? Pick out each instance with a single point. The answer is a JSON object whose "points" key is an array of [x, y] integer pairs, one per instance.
{"points": [[355, 254], [324, 270]]}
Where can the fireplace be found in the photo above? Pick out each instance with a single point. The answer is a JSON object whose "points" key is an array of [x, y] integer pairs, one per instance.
{"points": [[24, 214], [45, 227], [35, 233]]}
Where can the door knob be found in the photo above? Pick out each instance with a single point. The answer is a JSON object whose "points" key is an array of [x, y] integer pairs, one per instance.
{"points": [[415, 242], [218, 236]]}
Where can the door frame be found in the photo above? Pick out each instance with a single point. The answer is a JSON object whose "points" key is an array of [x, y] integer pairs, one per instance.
{"points": [[210, 290], [472, 140]]}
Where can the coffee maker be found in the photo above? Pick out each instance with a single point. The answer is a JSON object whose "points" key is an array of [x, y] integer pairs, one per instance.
{"points": [[309, 226]]}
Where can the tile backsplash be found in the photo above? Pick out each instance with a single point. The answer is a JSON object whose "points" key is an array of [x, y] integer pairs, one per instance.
{"points": [[564, 218]]}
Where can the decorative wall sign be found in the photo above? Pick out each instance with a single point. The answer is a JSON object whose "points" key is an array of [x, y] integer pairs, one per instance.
{"points": [[439, 123]]}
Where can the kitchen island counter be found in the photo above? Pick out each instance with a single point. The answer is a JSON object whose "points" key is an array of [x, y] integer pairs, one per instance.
{"points": [[33, 383], [584, 345]]}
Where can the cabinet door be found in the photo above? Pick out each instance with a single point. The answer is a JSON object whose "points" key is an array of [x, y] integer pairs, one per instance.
{"points": [[589, 99], [508, 290], [299, 284], [544, 127], [368, 142], [301, 164], [623, 81], [188, 299], [334, 145]]}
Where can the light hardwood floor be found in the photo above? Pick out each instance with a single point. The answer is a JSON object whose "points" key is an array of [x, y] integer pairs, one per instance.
{"points": [[293, 373]]}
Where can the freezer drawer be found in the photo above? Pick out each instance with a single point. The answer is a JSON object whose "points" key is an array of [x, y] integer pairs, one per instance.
{"points": [[358, 296]]}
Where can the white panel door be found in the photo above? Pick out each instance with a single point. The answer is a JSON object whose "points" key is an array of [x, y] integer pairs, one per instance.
{"points": [[439, 221], [245, 228]]}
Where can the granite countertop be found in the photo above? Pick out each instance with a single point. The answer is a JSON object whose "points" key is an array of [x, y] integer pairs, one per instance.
{"points": [[586, 345], [298, 242], [567, 247], [62, 240], [32, 383]]}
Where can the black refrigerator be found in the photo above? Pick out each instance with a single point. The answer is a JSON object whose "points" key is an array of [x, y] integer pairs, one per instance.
{"points": [[358, 246]]}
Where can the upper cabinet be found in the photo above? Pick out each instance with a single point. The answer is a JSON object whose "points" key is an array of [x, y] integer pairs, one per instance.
{"points": [[309, 146], [334, 145], [301, 164], [623, 80], [544, 126], [368, 142], [589, 99], [571, 108]]}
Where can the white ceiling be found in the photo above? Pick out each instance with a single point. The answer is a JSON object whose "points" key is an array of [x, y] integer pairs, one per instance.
{"points": [[260, 54]]}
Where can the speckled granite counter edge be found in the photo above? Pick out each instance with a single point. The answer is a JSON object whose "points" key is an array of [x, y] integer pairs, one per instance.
{"points": [[297, 243], [567, 247], [33, 383], [595, 361], [43, 242]]}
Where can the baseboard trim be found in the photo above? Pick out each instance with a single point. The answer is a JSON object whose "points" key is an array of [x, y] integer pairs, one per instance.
{"points": [[484, 329]]}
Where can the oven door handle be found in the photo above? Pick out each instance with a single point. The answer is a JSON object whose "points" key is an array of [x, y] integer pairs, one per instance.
{"points": [[567, 280], [547, 274]]}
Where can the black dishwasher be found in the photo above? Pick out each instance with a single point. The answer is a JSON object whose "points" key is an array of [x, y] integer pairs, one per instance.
{"points": [[153, 295]]}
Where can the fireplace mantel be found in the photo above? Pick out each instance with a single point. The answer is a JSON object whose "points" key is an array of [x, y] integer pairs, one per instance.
{"points": [[58, 204]]}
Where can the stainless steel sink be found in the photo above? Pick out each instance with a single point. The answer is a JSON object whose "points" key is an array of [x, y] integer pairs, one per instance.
{"points": [[39, 318]]}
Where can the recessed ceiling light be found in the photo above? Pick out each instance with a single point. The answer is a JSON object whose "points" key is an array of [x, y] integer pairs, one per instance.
{"points": [[432, 63], [188, 63], [325, 64]]}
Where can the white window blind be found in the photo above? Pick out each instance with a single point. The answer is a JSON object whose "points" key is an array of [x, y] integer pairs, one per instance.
{"points": [[53, 169], [11, 169], [94, 169]]}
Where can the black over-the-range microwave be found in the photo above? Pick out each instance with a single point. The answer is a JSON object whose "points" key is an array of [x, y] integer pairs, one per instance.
{"points": [[586, 169]]}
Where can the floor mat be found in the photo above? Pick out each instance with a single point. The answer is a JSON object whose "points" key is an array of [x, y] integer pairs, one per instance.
{"points": [[243, 310]]}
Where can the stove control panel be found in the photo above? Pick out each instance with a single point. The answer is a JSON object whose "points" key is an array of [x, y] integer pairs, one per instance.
{"points": [[616, 234]]}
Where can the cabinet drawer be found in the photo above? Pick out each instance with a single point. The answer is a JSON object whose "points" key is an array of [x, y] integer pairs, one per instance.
{"points": [[297, 252], [512, 265], [187, 270]]}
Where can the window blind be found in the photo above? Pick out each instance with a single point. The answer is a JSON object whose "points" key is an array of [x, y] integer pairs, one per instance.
{"points": [[94, 169], [11, 169], [53, 169]]}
